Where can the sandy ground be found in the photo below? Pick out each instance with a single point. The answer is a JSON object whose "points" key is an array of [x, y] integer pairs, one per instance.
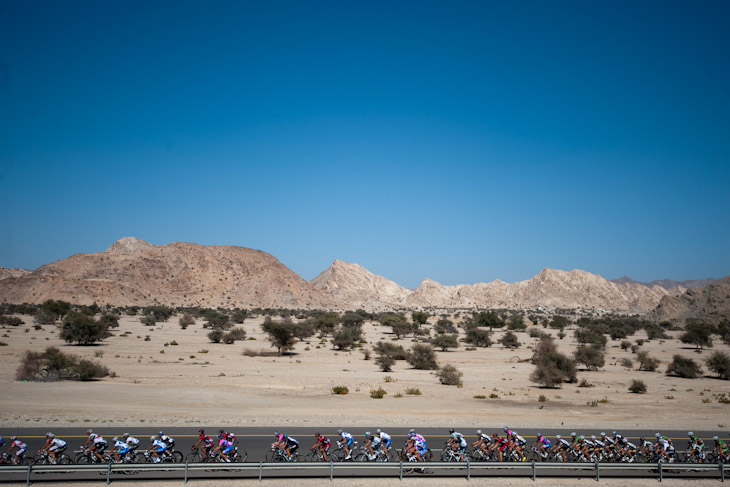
{"points": [[198, 382]]}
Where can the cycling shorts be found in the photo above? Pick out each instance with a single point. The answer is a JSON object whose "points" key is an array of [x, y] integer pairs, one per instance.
{"points": [[124, 451], [228, 449], [161, 449], [349, 441], [21, 451], [387, 442], [547, 444]]}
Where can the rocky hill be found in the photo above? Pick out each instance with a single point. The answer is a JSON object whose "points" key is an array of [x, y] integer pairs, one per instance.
{"points": [[710, 304], [669, 283], [134, 272], [353, 284]]}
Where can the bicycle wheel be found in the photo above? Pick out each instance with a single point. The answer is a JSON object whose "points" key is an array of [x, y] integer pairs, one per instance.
{"points": [[193, 457], [274, 456], [142, 458], [176, 457], [40, 460], [428, 457], [242, 455], [361, 457], [82, 459], [64, 460]]}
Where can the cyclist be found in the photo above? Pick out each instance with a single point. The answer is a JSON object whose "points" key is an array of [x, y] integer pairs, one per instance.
{"points": [[90, 434], [323, 444], [119, 449], [385, 440], [205, 443], [664, 447], [20, 445], [346, 440], [499, 444], [421, 448], [721, 449], [483, 442], [291, 445], [372, 443], [697, 447], [131, 441], [562, 445], [609, 444], [626, 449], [646, 447], [457, 442], [53, 446], [158, 448], [225, 446], [98, 445], [280, 442], [169, 440], [518, 443], [542, 444], [228, 436], [413, 442]]}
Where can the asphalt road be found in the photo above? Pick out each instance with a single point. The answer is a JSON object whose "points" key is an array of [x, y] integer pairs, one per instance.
{"points": [[256, 442]]}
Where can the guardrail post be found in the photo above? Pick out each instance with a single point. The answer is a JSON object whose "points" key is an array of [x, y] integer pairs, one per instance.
{"points": [[533, 470], [109, 474], [468, 469], [261, 470], [660, 470], [401, 471], [722, 472], [598, 474], [332, 470], [27, 482], [186, 472]]}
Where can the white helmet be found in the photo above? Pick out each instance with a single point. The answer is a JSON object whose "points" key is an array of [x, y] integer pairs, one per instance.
{"points": [[153, 438], [479, 432], [378, 431], [557, 436], [115, 439]]}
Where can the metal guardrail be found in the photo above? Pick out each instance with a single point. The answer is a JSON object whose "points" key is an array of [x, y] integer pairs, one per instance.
{"points": [[469, 467]]}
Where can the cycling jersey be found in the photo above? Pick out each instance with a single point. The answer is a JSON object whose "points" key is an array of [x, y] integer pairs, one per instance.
{"points": [[291, 443], [207, 441], [544, 441], [132, 442], [376, 441], [347, 438], [519, 439], [100, 441], [564, 443], [629, 445], [19, 445], [160, 445], [386, 438], [120, 445], [418, 438], [459, 438], [57, 444]]}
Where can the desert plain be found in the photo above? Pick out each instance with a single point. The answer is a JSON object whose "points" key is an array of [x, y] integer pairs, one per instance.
{"points": [[178, 377]]}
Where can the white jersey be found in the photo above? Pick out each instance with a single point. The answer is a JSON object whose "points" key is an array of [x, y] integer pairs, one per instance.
{"points": [[132, 441], [58, 443], [120, 444], [384, 436]]}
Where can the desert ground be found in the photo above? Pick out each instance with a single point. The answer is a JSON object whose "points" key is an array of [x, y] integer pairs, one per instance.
{"points": [[179, 377]]}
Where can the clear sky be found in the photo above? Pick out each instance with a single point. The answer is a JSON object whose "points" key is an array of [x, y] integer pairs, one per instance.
{"points": [[459, 141]]}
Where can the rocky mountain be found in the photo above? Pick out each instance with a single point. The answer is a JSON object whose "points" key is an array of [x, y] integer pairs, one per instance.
{"points": [[669, 283], [710, 304], [549, 289], [353, 284], [134, 272]]}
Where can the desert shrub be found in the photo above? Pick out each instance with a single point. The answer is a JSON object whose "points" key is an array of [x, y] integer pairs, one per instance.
{"points": [[478, 337], [82, 329], [45, 317], [637, 387], [684, 367], [396, 352], [58, 309], [352, 319], [419, 317], [488, 319], [592, 357], [558, 323], [646, 363], [449, 375], [625, 362], [585, 383], [148, 320], [385, 362], [443, 326], [215, 336], [378, 393], [340, 390], [509, 340], [551, 367], [56, 365], [397, 323], [444, 341], [159, 312], [284, 334], [217, 321], [109, 320], [254, 353], [186, 320], [654, 331], [413, 391], [325, 322], [625, 345], [238, 316], [10, 321], [588, 336], [347, 337], [422, 357], [537, 333], [232, 335], [698, 334], [517, 323], [719, 363]]}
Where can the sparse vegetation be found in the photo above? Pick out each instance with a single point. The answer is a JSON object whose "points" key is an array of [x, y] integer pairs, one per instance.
{"points": [[551, 367], [378, 393], [637, 387], [422, 357], [684, 367], [82, 329], [449, 375], [646, 363], [590, 356], [53, 365], [719, 363], [340, 390], [509, 340]]}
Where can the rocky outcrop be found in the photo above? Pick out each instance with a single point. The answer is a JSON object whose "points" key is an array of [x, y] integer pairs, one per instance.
{"points": [[360, 288], [133, 272], [5, 272], [710, 304]]}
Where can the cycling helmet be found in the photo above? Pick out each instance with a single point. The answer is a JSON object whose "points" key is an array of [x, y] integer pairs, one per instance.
{"points": [[317, 435], [411, 430], [690, 433], [506, 428], [451, 430], [220, 432], [715, 438], [13, 438], [89, 431], [582, 437], [657, 435], [115, 439], [367, 433], [378, 431], [339, 431], [613, 433], [50, 435], [557, 436], [539, 435], [160, 433], [593, 437], [276, 433], [126, 435], [152, 438], [573, 434], [603, 433], [201, 431], [479, 432]]}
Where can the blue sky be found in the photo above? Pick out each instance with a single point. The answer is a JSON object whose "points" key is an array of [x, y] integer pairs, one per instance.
{"points": [[460, 141]]}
